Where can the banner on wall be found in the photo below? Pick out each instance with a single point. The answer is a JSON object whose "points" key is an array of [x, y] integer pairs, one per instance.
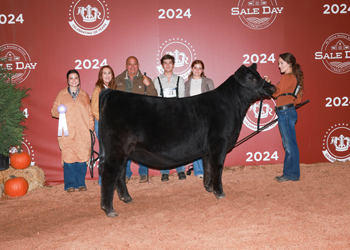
{"points": [[87, 34]]}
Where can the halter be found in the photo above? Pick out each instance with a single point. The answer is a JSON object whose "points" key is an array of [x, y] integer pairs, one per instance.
{"points": [[258, 91]]}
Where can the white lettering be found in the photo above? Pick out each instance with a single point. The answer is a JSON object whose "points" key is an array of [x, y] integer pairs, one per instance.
{"points": [[235, 11], [19, 65], [347, 54], [318, 55], [33, 65], [266, 10]]}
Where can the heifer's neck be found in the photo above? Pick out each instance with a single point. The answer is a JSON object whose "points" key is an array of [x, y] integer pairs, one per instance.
{"points": [[238, 99], [238, 96]]}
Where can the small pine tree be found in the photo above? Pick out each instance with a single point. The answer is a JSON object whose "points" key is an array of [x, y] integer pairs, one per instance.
{"points": [[11, 116]]}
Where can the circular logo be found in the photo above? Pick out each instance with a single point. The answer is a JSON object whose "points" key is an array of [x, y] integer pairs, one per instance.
{"points": [[18, 61], [88, 17], [336, 143], [26, 147], [335, 53], [257, 14], [267, 115], [183, 53]]}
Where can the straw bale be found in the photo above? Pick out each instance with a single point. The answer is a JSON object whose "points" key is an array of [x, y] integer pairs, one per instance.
{"points": [[2, 186], [33, 174]]}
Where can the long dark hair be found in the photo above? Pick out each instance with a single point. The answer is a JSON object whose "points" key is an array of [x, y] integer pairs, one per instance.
{"points": [[290, 59], [194, 63], [100, 82]]}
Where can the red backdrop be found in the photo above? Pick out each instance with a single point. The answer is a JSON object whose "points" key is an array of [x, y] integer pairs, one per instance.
{"points": [[44, 39]]}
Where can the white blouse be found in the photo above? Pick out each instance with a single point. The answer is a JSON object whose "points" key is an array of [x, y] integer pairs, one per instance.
{"points": [[196, 87]]}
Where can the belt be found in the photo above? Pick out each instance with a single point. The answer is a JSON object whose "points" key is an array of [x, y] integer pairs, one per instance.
{"points": [[284, 107]]}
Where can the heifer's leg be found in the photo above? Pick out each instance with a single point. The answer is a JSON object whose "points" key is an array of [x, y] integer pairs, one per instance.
{"points": [[122, 190], [207, 180], [113, 178], [108, 185], [218, 154]]}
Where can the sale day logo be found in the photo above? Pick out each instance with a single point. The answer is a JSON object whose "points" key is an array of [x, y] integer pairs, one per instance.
{"points": [[18, 61], [336, 143], [335, 53], [89, 17], [257, 14], [182, 51]]}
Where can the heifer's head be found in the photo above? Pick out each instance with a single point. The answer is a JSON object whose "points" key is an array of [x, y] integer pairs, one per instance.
{"points": [[250, 78]]}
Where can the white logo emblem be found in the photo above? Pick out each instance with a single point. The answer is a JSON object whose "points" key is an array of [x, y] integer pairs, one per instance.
{"points": [[257, 14], [335, 53], [88, 17], [183, 53], [26, 147], [267, 115], [18, 60], [336, 143]]}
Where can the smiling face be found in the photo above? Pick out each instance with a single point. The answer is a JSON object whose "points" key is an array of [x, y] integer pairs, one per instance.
{"points": [[132, 66], [107, 76], [284, 67], [197, 70], [73, 80]]}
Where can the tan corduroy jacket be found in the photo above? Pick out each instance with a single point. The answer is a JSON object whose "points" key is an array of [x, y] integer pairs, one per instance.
{"points": [[77, 145]]}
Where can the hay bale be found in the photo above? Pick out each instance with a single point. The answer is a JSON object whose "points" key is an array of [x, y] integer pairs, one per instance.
{"points": [[2, 187], [33, 174]]}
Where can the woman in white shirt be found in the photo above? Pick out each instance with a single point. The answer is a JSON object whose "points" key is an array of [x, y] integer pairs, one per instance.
{"points": [[196, 84]]}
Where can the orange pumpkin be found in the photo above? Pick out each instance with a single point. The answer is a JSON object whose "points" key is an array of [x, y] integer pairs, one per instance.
{"points": [[20, 160], [17, 186]]}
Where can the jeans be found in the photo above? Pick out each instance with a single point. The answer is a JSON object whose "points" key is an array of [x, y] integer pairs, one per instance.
{"points": [[96, 131], [178, 170], [142, 169], [74, 174], [286, 123], [198, 167]]}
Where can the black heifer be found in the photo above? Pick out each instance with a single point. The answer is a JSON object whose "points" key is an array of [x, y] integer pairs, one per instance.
{"points": [[167, 132]]}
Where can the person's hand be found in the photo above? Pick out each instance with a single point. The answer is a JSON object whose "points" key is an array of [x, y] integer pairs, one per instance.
{"points": [[146, 81], [266, 78]]}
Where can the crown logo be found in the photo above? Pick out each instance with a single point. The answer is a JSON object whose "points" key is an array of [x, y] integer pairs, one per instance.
{"points": [[265, 112], [180, 58], [340, 45], [257, 3], [341, 143], [89, 17]]}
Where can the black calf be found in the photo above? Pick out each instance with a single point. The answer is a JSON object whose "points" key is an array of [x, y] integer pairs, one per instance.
{"points": [[164, 132]]}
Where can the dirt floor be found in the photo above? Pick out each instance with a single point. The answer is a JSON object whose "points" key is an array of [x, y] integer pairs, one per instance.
{"points": [[257, 213]]}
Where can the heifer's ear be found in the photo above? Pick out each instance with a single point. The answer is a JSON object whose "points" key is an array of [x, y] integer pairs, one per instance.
{"points": [[241, 71], [253, 66]]}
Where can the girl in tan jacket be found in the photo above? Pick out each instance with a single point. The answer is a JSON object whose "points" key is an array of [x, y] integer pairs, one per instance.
{"points": [[105, 80], [77, 145]]}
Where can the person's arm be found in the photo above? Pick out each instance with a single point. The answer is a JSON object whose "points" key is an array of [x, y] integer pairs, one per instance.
{"points": [[95, 102], [151, 90], [156, 85], [210, 84], [54, 111]]}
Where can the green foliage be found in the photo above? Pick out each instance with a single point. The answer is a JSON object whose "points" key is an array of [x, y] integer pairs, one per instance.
{"points": [[11, 116]]}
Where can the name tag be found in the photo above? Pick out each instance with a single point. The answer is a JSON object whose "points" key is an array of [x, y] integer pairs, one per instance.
{"points": [[169, 92]]}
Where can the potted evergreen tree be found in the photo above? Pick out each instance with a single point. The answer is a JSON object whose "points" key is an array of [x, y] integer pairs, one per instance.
{"points": [[11, 116]]}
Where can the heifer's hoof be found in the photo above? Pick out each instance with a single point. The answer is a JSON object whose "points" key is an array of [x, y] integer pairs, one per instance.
{"points": [[112, 213], [128, 200], [209, 189], [219, 195]]}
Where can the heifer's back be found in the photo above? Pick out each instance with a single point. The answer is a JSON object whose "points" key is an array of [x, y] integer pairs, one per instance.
{"points": [[163, 133], [160, 132]]}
